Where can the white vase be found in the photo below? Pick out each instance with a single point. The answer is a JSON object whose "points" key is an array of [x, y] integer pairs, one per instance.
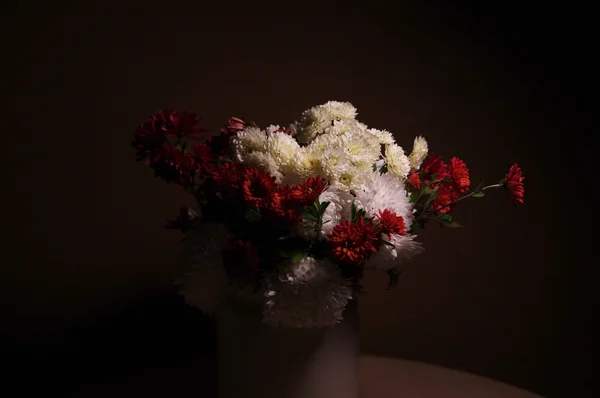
{"points": [[259, 360]]}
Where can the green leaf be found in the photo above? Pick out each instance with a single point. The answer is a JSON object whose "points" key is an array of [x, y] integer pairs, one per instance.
{"points": [[384, 169], [374, 167], [253, 215], [478, 195], [298, 256]]}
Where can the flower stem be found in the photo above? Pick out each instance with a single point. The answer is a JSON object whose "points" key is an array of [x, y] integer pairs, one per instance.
{"points": [[470, 194]]}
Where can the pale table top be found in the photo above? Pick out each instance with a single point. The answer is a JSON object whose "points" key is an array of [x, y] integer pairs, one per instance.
{"points": [[397, 378], [379, 377]]}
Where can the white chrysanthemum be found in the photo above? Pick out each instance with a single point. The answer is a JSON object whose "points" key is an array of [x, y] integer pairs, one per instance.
{"points": [[396, 161], [264, 162], [247, 141], [362, 148], [310, 293], [383, 136], [306, 163], [283, 148], [403, 250], [338, 210], [316, 120], [385, 191], [313, 122], [204, 281], [339, 110], [346, 126], [419, 152]]}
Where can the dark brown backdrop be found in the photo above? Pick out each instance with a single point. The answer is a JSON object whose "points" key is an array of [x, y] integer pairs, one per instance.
{"points": [[495, 298]]}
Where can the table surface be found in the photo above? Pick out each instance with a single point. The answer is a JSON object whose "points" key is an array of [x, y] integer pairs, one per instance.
{"points": [[379, 377]]}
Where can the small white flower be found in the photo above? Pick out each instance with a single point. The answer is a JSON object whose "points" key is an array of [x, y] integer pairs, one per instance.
{"points": [[419, 152], [402, 250], [339, 110], [383, 136], [317, 120], [247, 141], [385, 191], [283, 148], [397, 162], [310, 293]]}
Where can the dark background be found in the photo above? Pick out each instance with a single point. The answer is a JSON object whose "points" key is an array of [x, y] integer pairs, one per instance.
{"points": [[87, 295]]}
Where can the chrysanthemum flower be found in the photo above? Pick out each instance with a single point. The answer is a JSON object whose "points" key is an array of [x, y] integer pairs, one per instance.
{"points": [[390, 223], [182, 124], [414, 180], [446, 195], [459, 174], [309, 190], [257, 187], [513, 183], [434, 164], [203, 158], [397, 162], [353, 243], [419, 152]]}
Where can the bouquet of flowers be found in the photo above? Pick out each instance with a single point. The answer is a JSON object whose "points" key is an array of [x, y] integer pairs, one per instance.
{"points": [[292, 216]]}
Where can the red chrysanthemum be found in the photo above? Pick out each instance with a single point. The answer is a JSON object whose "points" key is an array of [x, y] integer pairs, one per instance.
{"points": [[241, 261], [203, 159], [283, 207], [391, 223], [220, 143], [257, 187], [434, 165], [414, 180], [309, 190], [513, 183], [183, 222], [149, 137], [459, 174], [172, 165], [233, 126], [226, 181], [446, 195], [353, 243], [182, 124]]}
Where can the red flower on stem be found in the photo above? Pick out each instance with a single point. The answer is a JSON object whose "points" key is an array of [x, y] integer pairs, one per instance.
{"points": [[226, 181], [149, 137], [353, 243], [282, 207], [241, 261], [220, 143], [513, 183], [432, 165], [459, 174], [182, 124], [257, 187], [203, 159], [446, 195], [414, 180], [309, 190], [172, 165], [391, 223]]}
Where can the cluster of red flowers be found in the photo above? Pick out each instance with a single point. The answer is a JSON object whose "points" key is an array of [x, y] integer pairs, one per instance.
{"points": [[451, 180], [164, 144], [354, 242]]}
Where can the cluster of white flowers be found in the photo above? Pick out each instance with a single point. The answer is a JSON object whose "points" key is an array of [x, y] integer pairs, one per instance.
{"points": [[328, 142], [365, 167]]}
